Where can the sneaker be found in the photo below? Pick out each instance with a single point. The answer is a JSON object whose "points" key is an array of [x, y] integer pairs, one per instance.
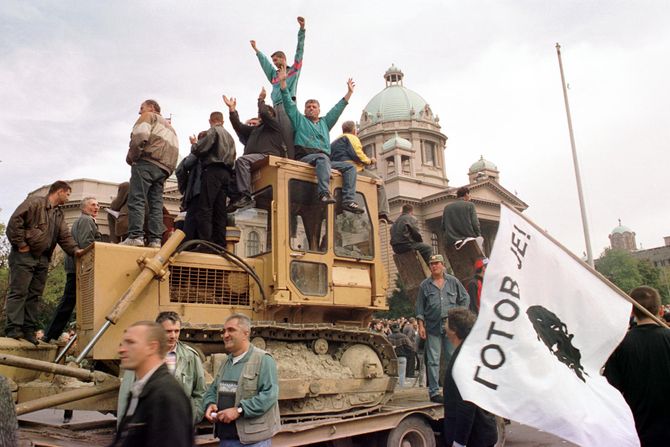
{"points": [[326, 198], [242, 203], [352, 207], [133, 242], [156, 243], [437, 399]]}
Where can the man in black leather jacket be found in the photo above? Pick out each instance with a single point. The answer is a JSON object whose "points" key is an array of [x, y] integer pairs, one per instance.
{"points": [[216, 152]]}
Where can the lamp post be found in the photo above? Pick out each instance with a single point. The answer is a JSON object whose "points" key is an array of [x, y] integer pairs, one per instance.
{"points": [[582, 206]]}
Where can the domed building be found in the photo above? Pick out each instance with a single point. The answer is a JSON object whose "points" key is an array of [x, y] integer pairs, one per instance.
{"points": [[482, 170], [622, 238], [399, 129]]}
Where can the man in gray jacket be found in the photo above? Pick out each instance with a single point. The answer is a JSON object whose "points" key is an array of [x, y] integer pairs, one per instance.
{"points": [[216, 152], [152, 155], [85, 232]]}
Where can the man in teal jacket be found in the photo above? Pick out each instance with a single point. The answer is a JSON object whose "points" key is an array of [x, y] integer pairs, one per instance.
{"points": [[242, 401], [312, 143], [292, 74]]}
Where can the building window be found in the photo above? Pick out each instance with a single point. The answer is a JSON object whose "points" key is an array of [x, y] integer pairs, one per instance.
{"points": [[433, 243], [405, 162], [390, 166], [369, 150], [257, 220], [253, 244], [429, 151]]}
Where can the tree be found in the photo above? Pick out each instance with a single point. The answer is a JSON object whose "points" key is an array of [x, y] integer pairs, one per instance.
{"points": [[627, 272], [400, 305]]}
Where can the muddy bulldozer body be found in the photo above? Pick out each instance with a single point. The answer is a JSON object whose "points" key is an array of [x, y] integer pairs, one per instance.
{"points": [[310, 288]]}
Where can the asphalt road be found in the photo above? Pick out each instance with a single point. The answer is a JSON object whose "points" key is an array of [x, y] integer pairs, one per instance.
{"points": [[518, 435]]}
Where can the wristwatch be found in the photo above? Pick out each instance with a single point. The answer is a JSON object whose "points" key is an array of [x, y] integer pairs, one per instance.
{"points": [[240, 411]]}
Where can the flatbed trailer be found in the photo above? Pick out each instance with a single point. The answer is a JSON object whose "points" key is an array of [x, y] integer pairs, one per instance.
{"points": [[409, 419]]}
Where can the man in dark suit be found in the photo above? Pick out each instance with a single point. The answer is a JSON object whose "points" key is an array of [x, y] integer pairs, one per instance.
{"points": [[159, 412]]}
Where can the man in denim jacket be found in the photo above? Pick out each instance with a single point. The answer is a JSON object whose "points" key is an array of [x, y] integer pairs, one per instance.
{"points": [[437, 294]]}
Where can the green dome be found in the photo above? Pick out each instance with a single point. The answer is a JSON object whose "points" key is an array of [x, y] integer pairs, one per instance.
{"points": [[621, 229], [481, 165], [395, 102]]}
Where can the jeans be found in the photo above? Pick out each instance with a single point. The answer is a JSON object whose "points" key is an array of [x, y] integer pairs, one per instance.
{"points": [[435, 344], [27, 278], [146, 189], [286, 129], [402, 369], [321, 163], [213, 219], [64, 309], [382, 200], [237, 443], [243, 172], [348, 172]]}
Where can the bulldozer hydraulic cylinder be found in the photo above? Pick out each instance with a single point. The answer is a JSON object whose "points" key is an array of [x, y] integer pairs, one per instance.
{"points": [[153, 267], [66, 348], [66, 397], [53, 368]]}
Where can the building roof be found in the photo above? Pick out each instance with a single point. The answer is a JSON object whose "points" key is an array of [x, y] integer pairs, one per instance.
{"points": [[395, 102], [481, 165], [621, 229], [396, 141]]}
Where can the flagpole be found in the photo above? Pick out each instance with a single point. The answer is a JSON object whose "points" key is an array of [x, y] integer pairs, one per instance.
{"points": [[588, 267], [582, 206]]}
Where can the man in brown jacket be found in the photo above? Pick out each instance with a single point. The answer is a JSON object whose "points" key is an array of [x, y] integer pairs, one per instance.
{"points": [[34, 229], [152, 155]]}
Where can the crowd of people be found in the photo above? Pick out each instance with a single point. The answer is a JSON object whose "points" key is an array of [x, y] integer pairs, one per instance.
{"points": [[163, 392]]}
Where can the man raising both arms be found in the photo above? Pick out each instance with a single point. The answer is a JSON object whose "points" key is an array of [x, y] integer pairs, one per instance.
{"points": [[292, 76], [312, 144]]}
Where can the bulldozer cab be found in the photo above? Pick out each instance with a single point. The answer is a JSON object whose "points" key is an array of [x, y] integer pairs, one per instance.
{"points": [[322, 263], [315, 263]]}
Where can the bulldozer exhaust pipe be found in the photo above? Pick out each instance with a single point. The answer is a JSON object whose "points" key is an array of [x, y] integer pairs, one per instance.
{"points": [[152, 268]]}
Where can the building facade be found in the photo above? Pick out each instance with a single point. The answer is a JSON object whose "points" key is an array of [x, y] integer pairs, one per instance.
{"points": [[400, 130]]}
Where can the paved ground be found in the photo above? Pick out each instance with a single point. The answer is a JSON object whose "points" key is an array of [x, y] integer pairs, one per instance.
{"points": [[524, 436]]}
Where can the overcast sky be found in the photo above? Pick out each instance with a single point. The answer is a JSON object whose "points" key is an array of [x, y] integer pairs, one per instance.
{"points": [[73, 75]]}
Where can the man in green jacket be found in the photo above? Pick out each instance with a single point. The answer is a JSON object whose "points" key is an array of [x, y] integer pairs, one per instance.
{"points": [[243, 398], [182, 361], [459, 219], [293, 75], [312, 144]]}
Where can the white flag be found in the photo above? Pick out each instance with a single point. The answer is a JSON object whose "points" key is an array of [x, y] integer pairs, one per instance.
{"points": [[546, 326]]}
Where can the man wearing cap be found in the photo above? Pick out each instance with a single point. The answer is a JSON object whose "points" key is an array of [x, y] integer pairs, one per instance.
{"points": [[437, 294]]}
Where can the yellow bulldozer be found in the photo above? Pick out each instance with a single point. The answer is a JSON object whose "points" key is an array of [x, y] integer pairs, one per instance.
{"points": [[311, 292]]}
